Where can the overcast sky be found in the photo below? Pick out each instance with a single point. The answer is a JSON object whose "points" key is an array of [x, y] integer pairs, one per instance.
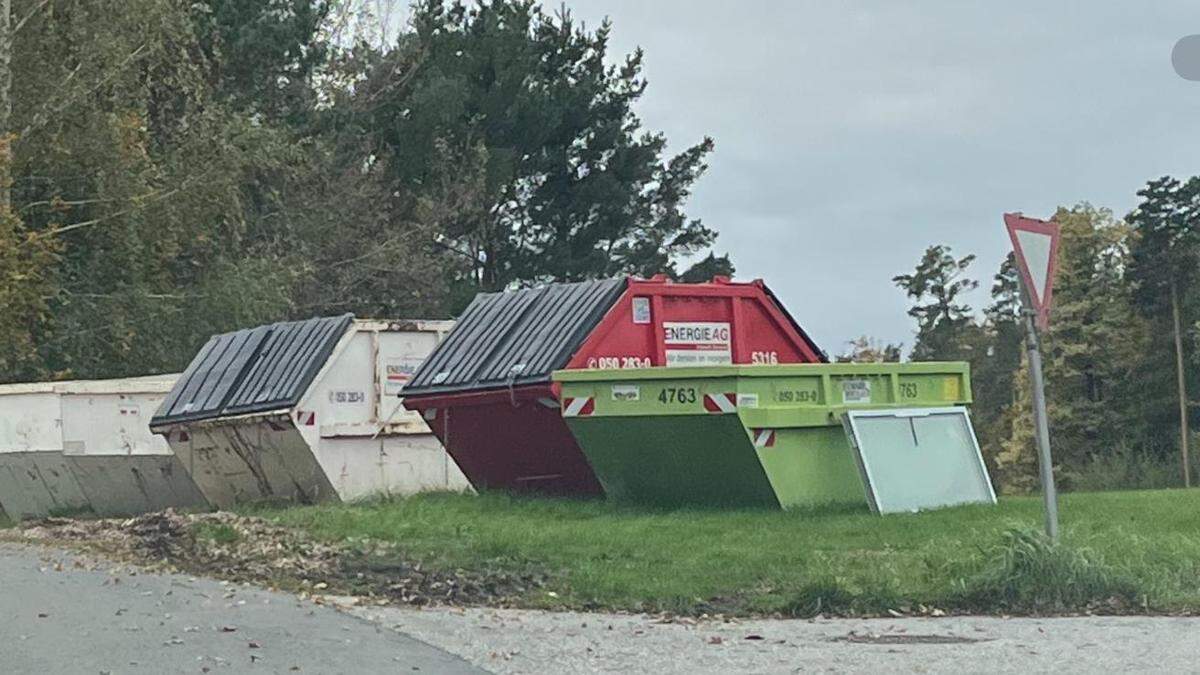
{"points": [[851, 135]]}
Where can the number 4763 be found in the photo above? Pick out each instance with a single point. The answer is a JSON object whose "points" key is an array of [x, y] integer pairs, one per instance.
{"points": [[677, 395]]}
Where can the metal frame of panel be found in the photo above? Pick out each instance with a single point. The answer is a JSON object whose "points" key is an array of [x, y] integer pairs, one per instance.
{"points": [[852, 434]]}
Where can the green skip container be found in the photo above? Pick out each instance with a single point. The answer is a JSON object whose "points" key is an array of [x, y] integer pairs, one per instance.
{"points": [[769, 435]]}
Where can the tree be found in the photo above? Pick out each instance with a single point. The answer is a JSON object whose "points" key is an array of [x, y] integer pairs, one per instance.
{"points": [[1015, 460], [1165, 257], [1094, 353], [1093, 350], [180, 169], [24, 287], [260, 54], [997, 355], [944, 323], [157, 199], [864, 349], [572, 186], [708, 268]]}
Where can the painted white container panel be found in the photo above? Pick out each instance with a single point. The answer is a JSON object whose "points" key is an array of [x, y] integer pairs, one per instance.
{"points": [[400, 354], [344, 395], [397, 465], [111, 424], [30, 422]]}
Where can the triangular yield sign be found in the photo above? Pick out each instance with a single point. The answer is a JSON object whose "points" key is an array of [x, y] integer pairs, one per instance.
{"points": [[1035, 243]]}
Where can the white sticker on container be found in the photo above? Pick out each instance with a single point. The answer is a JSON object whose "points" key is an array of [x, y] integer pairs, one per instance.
{"points": [[626, 392], [747, 400], [697, 343], [397, 373], [856, 391], [641, 310]]}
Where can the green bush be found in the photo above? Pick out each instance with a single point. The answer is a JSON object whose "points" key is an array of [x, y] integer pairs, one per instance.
{"points": [[1124, 469], [1030, 573]]}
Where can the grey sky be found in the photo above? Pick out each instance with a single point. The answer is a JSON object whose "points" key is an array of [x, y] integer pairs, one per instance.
{"points": [[851, 135]]}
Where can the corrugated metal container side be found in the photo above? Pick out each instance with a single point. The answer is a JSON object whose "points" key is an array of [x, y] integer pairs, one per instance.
{"points": [[516, 338], [486, 392], [252, 370]]}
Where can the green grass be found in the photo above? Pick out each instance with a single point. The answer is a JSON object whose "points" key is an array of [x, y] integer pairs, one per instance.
{"points": [[218, 533], [1121, 551]]}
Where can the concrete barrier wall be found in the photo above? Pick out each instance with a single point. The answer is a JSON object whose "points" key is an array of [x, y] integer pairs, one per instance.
{"points": [[131, 484], [38, 484], [249, 460]]}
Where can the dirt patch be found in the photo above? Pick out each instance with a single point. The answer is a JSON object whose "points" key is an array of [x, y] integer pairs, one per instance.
{"points": [[247, 549]]}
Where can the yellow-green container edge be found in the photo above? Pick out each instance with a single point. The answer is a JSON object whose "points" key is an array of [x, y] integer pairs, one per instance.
{"points": [[768, 435]]}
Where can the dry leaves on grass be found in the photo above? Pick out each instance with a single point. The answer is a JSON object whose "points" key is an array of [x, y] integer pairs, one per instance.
{"points": [[248, 549]]}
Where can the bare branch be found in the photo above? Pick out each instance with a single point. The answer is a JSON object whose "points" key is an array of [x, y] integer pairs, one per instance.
{"points": [[29, 15]]}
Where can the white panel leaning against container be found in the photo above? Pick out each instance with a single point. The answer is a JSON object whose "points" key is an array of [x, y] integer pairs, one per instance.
{"points": [[918, 458]]}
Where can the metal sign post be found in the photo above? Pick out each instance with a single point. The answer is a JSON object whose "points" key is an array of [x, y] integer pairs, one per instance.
{"points": [[1035, 244], [1041, 428]]}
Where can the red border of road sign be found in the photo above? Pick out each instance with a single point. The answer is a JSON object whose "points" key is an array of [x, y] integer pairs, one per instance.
{"points": [[1016, 221]]}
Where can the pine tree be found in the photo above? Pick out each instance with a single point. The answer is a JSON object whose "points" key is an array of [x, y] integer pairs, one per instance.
{"points": [[944, 324], [1016, 462], [1163, 267]]}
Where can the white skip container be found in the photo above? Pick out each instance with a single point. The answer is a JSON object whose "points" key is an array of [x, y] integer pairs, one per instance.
{"points": [[307, 411], [86, 445]]}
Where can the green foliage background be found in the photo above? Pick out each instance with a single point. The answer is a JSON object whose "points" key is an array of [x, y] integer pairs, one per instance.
{"points": [[1108, 355], [180, 169]]}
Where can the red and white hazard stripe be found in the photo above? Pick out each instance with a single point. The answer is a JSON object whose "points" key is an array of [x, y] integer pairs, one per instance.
{"points": [[578, 407], [764, 438], [720, 403], [306, 418]]}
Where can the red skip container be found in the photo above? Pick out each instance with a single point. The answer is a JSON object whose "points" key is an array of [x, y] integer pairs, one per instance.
{"points": [[486, 390]]}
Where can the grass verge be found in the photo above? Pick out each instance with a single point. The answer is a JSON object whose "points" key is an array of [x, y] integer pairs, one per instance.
{"points": [[1121, 552]]}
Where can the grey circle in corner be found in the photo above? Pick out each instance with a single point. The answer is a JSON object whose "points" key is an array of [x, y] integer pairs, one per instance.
{"points": [[1185, 57]]}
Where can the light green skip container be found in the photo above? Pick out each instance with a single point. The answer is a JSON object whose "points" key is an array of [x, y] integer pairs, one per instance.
{"points": [[741, 435]]}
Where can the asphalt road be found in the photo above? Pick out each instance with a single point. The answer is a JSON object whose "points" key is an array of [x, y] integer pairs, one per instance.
{"points": [[63, 614], [524, 641]]}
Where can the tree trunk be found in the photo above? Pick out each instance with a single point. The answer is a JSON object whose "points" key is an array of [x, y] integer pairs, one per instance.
{"points": [[1183, 399], [6, 43]]}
